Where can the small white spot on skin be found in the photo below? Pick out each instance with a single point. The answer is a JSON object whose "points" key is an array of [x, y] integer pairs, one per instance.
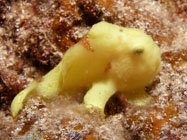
{"points": [[86, 71]]}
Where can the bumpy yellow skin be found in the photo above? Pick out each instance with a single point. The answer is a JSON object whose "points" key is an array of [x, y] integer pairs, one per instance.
{"points": [[111, 58]]}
